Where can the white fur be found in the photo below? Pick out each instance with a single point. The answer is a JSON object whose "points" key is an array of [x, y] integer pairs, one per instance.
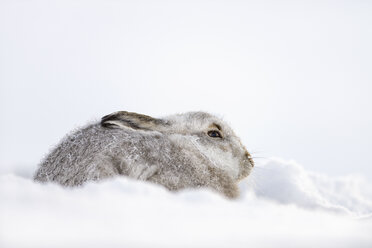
{"points": [[175, 151]]}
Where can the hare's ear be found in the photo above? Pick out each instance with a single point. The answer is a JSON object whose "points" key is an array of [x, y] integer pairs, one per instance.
{"points": [[124, 119]]}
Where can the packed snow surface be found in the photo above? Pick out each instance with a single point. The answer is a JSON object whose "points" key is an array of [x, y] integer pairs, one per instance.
{"points": [[281, 205]]}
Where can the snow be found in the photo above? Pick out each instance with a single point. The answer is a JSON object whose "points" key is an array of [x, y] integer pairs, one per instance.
{"points": [[275, 70], [282, 205]]}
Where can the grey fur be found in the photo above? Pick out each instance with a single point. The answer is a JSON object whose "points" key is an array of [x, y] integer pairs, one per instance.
{"points": [[175, 151]]}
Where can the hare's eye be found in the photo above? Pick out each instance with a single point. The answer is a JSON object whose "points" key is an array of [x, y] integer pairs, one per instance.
{"points": [[215, 134]]}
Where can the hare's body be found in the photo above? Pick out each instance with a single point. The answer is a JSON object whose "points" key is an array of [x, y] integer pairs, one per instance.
{"points": [[170, 152]]}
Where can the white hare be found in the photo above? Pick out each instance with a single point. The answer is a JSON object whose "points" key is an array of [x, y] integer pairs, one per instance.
{"points": [[190, 150]]}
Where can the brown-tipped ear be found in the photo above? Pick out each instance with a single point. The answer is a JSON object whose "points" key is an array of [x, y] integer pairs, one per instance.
{"points": [[124, 119]]}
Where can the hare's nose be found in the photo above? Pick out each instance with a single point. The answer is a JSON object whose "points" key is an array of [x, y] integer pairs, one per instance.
{"points": [[249, 157]]}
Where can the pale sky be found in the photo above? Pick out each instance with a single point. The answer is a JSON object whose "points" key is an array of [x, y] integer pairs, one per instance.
{"points": [[292, 78]]}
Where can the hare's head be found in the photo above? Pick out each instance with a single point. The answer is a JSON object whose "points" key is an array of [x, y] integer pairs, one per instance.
{"points": [[196, 132]]}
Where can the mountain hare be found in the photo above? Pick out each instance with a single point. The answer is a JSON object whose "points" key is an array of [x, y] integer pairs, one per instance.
{"points": [[189, 150]]}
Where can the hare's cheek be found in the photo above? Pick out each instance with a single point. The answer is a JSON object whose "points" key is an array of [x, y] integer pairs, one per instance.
{"points": [[223, 148], [227, 162]]}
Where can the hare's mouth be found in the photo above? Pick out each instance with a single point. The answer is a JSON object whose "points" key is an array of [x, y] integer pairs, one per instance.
{"points": [[246, 167], [249, 158]]}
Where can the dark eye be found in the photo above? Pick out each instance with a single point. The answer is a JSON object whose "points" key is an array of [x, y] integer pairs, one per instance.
{"points": [[214, 134]]}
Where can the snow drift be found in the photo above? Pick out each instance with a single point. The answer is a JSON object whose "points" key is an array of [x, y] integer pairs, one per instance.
{"points": [[281, 205]]}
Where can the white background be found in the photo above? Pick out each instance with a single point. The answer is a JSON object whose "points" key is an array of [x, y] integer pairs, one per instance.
{"points": [[293, 78]]}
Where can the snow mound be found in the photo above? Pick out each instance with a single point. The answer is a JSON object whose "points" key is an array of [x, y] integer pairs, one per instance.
{"points": [[281, 205], [287, 182]]}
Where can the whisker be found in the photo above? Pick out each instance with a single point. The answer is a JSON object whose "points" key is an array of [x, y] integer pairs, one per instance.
{"points": [[260, 168], [255, 152], [258, 157]]}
